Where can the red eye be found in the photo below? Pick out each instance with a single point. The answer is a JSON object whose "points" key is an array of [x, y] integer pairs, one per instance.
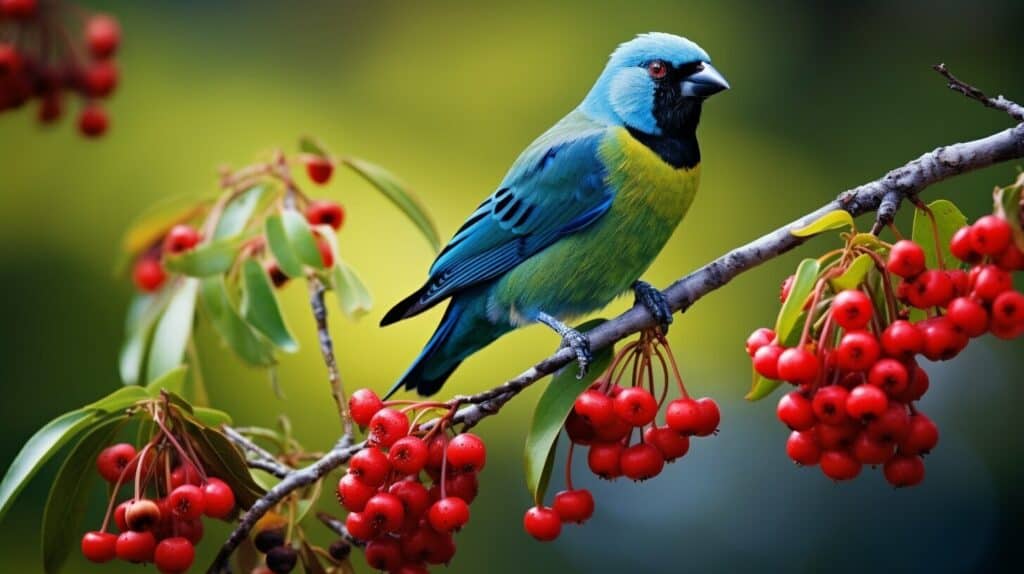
{"points": [[657, 69]]}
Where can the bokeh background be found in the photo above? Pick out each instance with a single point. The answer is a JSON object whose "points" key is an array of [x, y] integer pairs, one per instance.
{"points": [[825, 96]]}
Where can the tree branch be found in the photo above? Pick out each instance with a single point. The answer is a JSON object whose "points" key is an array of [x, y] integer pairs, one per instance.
{"points": [[1015, 110], [883, 194], [316, 300], [260, 458]]}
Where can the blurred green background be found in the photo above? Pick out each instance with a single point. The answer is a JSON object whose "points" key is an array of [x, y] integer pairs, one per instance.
{"points": [[825, 96]]}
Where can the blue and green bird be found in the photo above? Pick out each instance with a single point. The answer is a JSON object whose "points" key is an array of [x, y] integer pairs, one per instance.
{"points": [[579, 217]]}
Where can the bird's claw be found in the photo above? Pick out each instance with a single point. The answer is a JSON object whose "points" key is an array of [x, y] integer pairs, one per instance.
{"points": [[580, 344], [655, 302]]}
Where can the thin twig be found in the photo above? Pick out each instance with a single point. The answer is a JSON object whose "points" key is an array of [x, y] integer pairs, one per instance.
{"points": [[338, 527], [316, 300], [261, 458], [1015, 110]]}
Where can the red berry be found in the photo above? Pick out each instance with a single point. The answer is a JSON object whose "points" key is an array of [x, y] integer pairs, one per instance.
{"points": [[990, 282], [684, 416], [448, 514], [574, 505], [933, 288], [766, 361], [1008, 308], [869, 451], [414, 496], [1011, 260], [802, 447], [387, 426], [142, 514], [857, 351], [385, 512], [837, 437], [325, 213], [829, 404], [918, 384], [384, 553], [464, 485], [119, 513], [990, 235], [467, 453], [617, 430], [906, 259], [134, 546], [148, 274], [185, 473], [408, 455], [191, 530], [93, 121], [218, 498], [904, 470], [942, 341], [277, 276], [18, 8], [186, 502], [851, 309], [709, 416], [787, 286], [839, 465], [866, 402], [319, 169], [100, 79], [636, 406], [758, 339], [891, 426], [99, 547], [102, 34], [595, 407], [362, 405], [578, 429], [902, 340], [603, 459], [968, 316], [798, 366], [670, 443], [1007, 331], [641, 462], [795, 411], [370, 466], [410, 568], [115, 460], [50, 107], [921, 437], [889, 375], [174, 555], [181, 238], [359, 526], [961, 248], [542, 523]]}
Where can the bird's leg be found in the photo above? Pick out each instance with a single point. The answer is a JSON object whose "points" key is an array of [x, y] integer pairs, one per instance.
{"points": [[571, 338], [655, 302]]}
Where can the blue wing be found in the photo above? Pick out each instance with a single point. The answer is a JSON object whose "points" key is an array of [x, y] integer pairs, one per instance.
{"points": [[555, 188]]}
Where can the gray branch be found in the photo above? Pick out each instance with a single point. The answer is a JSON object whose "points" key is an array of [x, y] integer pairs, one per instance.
{"points": [[885, 193], [256, 456]]}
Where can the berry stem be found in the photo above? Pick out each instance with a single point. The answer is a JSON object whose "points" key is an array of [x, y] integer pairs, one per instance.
{"points": [[568, 468], [935, 229], [675, 367]]}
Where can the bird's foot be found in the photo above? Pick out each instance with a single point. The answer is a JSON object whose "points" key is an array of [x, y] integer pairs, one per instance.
{"points": [[573, 339], [655, 302]]}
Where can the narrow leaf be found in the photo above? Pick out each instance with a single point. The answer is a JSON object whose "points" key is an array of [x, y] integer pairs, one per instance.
{"points": [[397, 192], [239, 212], [550, 414], [172, 381], [249, 345], [311, 146], [206, 259], [69, 494], [1008, 206], [148, 227], [43, 445], [854, 274], [118, 400], [761, 388], [353, 296], [300, 238], [225, 461], [803, 285], [277, 240], [948, 219], [836, 219], [211, 417], [173, 331], [260, 308], [143, 311]]}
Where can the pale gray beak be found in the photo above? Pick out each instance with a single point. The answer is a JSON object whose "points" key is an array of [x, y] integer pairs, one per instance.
{"points": [[707, 82]]}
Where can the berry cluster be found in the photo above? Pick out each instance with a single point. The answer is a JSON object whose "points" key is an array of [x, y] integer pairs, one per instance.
{"points": [[854, 365], [410, 489], [165, 527], [44, 62], [618, 425]]}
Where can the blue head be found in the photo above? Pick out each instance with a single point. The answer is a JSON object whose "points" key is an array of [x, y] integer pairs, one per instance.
{"points": [[654, 84]]}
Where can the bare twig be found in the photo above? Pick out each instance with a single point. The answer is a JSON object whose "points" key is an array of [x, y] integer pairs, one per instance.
{"points": [[260, 458], [1015, 110], [316, 300], [904, 182], [338, 527]]}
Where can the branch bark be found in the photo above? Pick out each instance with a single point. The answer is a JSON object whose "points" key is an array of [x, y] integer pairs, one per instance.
{"points": [[883, 195]]}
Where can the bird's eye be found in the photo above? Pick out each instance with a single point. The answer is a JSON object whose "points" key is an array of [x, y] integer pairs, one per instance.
{"points": [[657, 69]]}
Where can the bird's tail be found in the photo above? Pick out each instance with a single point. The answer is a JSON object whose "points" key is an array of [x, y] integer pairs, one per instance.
{"points": [[464, 330]]}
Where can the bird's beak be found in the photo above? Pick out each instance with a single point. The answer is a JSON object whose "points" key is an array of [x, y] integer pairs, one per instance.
{"points": [[704, 83]]}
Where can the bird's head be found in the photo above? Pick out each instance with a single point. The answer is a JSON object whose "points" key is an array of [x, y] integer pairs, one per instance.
{"points": [[655, 83]]}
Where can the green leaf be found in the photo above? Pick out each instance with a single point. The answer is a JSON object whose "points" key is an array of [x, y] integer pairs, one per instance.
{"points": [[152, 224], [143, 311], [280, 247], [311, 146], [249, 345], [354, 298], [761, 388], [867, 239], [172, 381], [206, 259], [260, 308], [43, 445], [119, 400], [211, 417], [239, 212], [173, 331], [948, 219], [854, 274], [300, 238], [1008, 206], [69, 494], [223, 459], [803, 285], [836, 219], [550, 414], [397, 192]]}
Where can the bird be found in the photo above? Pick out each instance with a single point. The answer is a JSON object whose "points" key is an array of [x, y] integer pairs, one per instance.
{"points": [[580, 215]]}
